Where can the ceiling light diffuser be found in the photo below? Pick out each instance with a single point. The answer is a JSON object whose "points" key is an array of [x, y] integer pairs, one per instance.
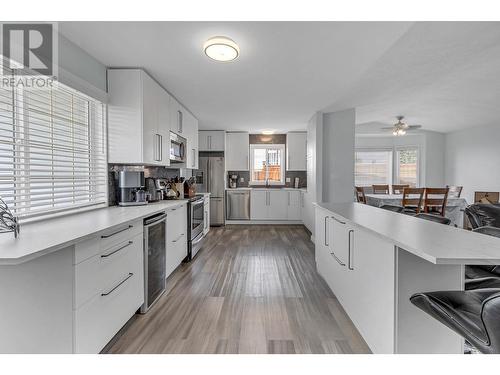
{"points": [[267, 132], [221, 48]]}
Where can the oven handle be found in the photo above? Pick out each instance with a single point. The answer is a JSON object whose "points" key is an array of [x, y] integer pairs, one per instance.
{"points": [[195, 242], [197, 202]]}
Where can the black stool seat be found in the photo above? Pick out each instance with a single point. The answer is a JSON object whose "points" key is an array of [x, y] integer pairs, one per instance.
{"points": [[435, 218], [388, 207], [473, 314], [474, 272], [482, 283]]}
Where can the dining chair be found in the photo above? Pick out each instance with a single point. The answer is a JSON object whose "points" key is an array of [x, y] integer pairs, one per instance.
{"points": [[454, 191], [435, 200], [412, 200], [380, 189], [360, 194], [398, 189]]}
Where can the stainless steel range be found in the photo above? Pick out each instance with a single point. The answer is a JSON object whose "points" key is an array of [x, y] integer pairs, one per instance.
{"points": [[195, 224]]}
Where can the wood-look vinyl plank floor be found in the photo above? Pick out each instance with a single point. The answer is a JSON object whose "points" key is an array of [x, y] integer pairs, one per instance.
{"points": [[252, 289]]}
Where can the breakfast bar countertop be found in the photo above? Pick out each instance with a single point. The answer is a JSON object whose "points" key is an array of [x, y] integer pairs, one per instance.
{"points": [[46, 236], [436, 243]]}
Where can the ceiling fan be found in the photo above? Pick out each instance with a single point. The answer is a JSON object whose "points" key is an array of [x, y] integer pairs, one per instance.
{"points": [[400, 127]]}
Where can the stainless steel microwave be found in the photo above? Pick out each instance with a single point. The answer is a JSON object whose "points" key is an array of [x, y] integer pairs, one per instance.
{"points": [[177, 148]]}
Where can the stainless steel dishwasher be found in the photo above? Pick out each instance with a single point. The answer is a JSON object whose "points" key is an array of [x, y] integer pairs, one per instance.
{"points": [[154, 259], [238, 204]]}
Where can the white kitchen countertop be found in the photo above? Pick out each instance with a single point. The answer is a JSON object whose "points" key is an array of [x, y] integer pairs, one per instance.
{"points": [[436, 243], [46, 236]]}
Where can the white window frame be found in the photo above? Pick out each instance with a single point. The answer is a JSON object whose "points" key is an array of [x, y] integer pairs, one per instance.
{"points": [[396, 162], [280, 147], [377, 149]]}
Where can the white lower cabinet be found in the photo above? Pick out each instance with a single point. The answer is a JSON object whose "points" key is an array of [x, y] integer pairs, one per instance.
{"points": [[275, 204], [294, 203], [109, 286], [176, 238], [359, 269]]}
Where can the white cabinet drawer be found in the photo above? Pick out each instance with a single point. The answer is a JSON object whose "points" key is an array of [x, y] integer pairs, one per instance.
{"points": [[89, 248], [98, 320], [176, 252], [176, 222], [103, 270]]}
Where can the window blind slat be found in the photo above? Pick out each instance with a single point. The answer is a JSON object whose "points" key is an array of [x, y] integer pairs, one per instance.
{"points": [[52, 150]]}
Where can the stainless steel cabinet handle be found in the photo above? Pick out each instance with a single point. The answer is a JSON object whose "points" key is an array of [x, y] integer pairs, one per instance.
{"points": [[209, 142], [350, 254], [337, 220], [337, 259], [118, 231], [117, 250], [194, 157], [161, 147], [289, 198], [117, 285], [326, 230]]}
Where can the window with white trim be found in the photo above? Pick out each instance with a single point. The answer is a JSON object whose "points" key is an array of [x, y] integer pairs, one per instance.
{"points": [[407, 166], [267, 164], [373, 167], [52, 150]]}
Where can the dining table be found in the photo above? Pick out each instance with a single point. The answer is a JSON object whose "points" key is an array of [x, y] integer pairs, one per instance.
{"points": [[454, 206]]}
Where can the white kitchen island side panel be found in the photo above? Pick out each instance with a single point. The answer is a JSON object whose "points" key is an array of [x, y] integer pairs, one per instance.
{"points": [[37, 305]]}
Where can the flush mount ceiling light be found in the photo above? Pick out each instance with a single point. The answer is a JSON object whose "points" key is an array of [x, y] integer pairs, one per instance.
{"points": [[221, 48]]}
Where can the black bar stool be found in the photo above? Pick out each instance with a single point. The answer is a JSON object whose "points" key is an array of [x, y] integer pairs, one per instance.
{"points": [[473, 314], [483, 271], [435, 218]]}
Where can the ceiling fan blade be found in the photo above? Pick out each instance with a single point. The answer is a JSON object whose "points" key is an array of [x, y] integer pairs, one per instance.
{"points": [[388, 128], [414, 127]]}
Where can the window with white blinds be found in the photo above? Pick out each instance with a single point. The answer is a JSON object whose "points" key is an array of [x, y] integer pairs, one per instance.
{"points": [[52, 150]]}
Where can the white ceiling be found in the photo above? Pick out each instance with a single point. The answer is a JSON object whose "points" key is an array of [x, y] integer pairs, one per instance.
{"points": [[286, 71], [443, 75]]}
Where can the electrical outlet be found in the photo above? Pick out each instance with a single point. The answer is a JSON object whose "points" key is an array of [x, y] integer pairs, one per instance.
{"points": [[287, 179]]}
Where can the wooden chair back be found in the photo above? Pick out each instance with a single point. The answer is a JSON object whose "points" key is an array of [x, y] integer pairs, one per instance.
{"points": [[360, 194], [380, 189], [454, 191], [412, 198], [435, 200], [398, 189], [489, 196]]}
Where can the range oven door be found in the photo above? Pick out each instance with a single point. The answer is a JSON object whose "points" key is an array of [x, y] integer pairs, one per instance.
{"points": [[197, 218]]}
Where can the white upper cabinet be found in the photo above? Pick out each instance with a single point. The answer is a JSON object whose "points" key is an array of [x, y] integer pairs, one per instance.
{"points": [[296, 151], [137, 109], [213, 140], [177, 119], [190, 132], [237, 151]]}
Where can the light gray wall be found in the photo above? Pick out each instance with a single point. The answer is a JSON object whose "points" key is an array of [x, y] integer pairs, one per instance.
{"points": [[338, 156], [472, 160]]}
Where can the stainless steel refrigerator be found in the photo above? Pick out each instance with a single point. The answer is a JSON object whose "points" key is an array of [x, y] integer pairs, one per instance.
{"points": [[210, 178]]}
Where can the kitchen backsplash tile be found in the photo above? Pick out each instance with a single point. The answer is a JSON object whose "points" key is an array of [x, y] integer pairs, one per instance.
{"points": [[302, 175]]}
